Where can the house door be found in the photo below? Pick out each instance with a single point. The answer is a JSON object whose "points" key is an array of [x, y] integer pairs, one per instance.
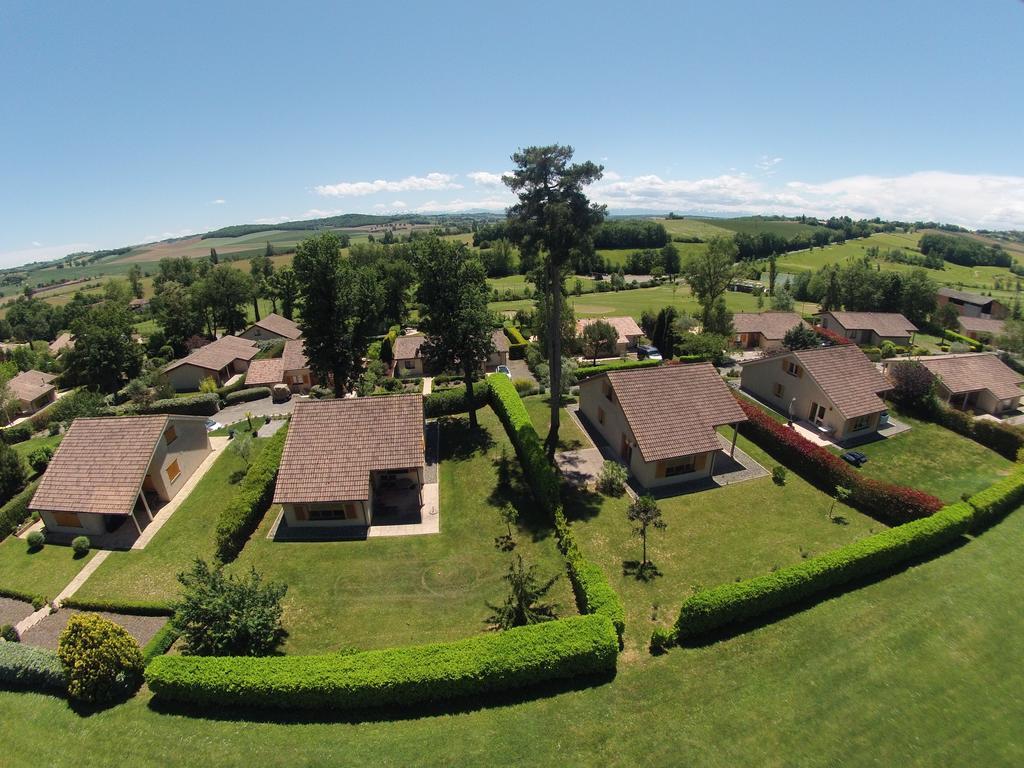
{"points": [[626, 451], [817, 413]]}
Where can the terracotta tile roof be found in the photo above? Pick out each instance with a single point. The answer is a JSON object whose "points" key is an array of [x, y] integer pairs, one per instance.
{"points": [[62, 342], [408, 347], [624, 326], [217, 354], [278, 325], [500, 341], [100, 465], [29, 385], [272, 371], [673, 410], [333, 445], [964, 296], [970, 373], [981, 325], [771, 325], [846, 376], [882, 323]]}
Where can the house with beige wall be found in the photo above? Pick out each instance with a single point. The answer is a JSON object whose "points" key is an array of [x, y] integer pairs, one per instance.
{"points": [[33, 390], [975, 382], [661, 422], [347, 460], [837, 389], [870, 329], [219, 360], [983, 329], [272, 327], [291, 368], [408, 361], [628, 333], [113, 471], [763, 330]]}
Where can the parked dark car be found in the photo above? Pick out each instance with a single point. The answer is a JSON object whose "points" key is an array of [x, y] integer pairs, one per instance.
{"points": [[856, 458]]}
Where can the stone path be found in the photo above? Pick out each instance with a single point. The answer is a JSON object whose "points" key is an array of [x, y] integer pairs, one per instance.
{"points": [[14, 611], [271, 428], [46, 632], [428, 385], [73, 586]]}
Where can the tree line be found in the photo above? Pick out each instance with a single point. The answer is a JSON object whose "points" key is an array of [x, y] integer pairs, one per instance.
{"points": [[964, 251]]}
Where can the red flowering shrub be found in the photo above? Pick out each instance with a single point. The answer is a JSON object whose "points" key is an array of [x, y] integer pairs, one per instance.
{"points": [[832, 336], [891, 503]]}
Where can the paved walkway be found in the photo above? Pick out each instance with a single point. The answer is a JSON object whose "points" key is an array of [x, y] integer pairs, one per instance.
{"points": [[520, 370], [428, 385], [271, 428], [73, 586]]}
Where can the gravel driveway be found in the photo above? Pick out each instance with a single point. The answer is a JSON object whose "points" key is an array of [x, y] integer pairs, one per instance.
{"points": [[264, 407]]}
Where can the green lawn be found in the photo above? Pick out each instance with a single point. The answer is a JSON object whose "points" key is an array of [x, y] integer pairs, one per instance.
{"points": [[27, 447], [150, 574], [713, 536], [933, 459], [392, 591], [569, 435], [919, 669], [43, 572]]}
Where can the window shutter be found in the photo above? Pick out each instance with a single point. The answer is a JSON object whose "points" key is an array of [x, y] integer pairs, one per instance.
{"points": [[799, 372], [660, 469], [700, 461]]}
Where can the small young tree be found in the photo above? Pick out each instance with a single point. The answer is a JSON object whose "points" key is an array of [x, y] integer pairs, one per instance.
{"points": [[612, 480], [523, 604], [242, 446], [842, 495], [598, 339], [644, 513], [228, 615], [800, 337], [509, 516]]}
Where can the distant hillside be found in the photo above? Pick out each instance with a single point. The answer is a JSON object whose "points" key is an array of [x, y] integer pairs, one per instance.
{"points": [[349, 221]]}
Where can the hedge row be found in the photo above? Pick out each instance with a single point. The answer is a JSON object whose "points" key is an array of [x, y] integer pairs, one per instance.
{"points": [[539, 473], [517, 658], [830, 335], [1005, 439], [974, 344], [161, 642], [587, 371], [115, 606], [891, 503], [38, 601], [593, 592], [18, 434], [446, 402], [996, 500], [741, 601], [29, 668], [246, 395], [15, 511], [199, 404], [516, 342], [243, 513]]}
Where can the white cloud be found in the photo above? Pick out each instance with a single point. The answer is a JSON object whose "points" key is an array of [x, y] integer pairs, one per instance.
{"points": [[218, 201], [973, 200], [36, 244], [430, 182], [610, 176], [459, 204], [767, 164], [486, 178]]}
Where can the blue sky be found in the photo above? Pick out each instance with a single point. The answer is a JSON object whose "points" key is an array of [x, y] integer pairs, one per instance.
{"points": [[128, 122]]}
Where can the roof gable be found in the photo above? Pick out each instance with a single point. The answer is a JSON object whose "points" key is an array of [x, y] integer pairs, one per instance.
{"points": [[278, 325], [771, 325], [846, 376], [625, 327], [882, 323], [961, 374], [218, 354]]}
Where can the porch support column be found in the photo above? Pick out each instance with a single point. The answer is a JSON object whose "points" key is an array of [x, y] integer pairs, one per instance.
{"points": [[145, 505], [714, 455], [966, 395], [735, 432], [136, 521]]}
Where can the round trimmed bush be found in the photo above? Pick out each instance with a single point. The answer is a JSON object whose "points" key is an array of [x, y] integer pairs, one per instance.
{"points": [[35, 540], [9, 633], [102, 661], [80, 545]]}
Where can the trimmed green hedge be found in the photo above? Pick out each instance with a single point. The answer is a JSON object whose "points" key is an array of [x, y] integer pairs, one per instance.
{"points": [[731, 603], [161, 642], [516, 342], [18, 434], [453, 400], [996, 500], [587, 371], [114, 606], [28, 668], [246, 395], [974, 344], [38, 601], [15, 512], [243, 513], [199, 404], [593, 592], [501, 661], [539, 473]]}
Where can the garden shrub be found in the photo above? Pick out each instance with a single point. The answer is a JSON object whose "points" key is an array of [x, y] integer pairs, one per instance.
{"points": [[12, 473], [101, 660], [487, 663], [18, 434], [1004, 439], [80, 546], [15, 512], [516, 342], [525, 387], [740, 601], [29, 668], [995, 501], [37, 601], [832, 336], [886, 501], [206, 404], [662, 639], [612, 480], [35, 540], [243, 513], [539, 473], [453, 400], [39, 459], [246, 395], [958, 338], [9, 634], [779, 474], [587, 371]]}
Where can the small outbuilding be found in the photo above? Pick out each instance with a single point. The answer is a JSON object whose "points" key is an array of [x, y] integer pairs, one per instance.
{"points": [[979, 382], [219, 360], [33, 390]]}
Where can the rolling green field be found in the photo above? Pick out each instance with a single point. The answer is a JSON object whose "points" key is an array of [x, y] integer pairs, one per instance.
{"points": [[753, 225], [705, 229]]}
